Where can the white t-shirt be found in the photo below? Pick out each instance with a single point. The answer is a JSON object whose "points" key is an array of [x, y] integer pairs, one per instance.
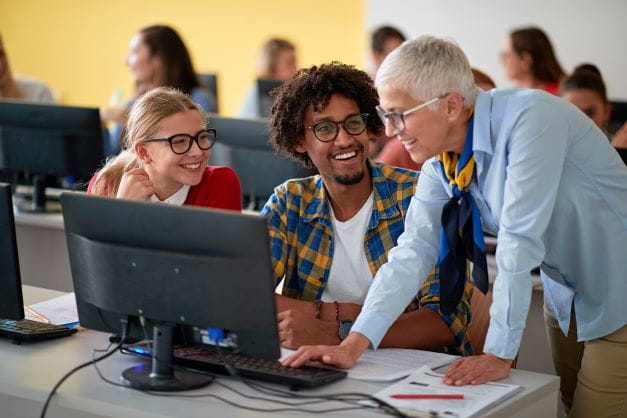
{"points": [[177, 199], [350, 277], [34, 91]]}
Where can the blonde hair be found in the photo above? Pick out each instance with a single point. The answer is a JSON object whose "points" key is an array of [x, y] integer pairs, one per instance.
{"points": [[142, 123], [270, 54], [10, 90]]}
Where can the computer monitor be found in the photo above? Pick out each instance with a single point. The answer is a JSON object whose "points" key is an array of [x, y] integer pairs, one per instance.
{"points": [[265, 99], [11, 304], [49, 140], [242, 144], [618, 115], [210, 81], [181, 269]]}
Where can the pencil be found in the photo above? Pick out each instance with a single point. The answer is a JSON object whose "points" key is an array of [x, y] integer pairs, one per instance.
{"points": [[428, 396], [36, 314]]}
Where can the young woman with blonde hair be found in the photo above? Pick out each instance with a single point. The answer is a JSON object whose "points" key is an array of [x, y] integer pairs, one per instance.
{"points": [[166, 149]]}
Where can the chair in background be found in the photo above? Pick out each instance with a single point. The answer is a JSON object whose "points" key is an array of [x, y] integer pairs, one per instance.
{"points": [[210, 81], [242, 144]]}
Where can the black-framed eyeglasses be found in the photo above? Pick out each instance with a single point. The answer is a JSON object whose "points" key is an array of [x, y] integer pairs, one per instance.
{"points": [[397, 119], [181, 143], [327, 130]]}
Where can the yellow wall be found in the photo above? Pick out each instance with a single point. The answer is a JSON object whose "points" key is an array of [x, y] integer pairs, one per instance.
{"points": [[79, 46]]}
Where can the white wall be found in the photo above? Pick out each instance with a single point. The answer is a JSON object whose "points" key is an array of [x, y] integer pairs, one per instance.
{"points": [[580, 30]]}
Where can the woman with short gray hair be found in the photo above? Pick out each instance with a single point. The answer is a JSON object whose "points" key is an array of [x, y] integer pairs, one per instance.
{"points": [[533, 170]]}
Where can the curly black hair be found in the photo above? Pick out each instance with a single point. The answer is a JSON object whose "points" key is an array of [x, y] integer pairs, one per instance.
{"points": [[314, 86]]}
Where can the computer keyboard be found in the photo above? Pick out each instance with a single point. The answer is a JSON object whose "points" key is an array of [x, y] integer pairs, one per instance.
{"points": [[208, 360], [27, 330]]}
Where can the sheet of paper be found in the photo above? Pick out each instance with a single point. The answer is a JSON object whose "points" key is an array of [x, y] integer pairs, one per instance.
{"points": [[477, 398], [59, 311], [389, 364]]}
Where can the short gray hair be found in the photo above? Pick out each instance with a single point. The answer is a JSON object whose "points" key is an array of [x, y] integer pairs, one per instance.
{"points": [[428, 67]]}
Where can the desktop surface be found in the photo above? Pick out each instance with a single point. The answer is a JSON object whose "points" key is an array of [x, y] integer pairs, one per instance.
{"points": [[27, 373]]}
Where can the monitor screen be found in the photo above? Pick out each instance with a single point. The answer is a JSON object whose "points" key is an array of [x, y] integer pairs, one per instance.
{"points": [[10, 283], [173, 269], [242, 144], [266, 100], [48, 140]]}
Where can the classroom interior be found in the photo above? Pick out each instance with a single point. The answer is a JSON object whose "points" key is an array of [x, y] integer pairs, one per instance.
{"points": [[79, 49]]}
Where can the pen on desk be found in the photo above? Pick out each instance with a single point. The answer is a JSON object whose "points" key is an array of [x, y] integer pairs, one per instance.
{"points": [[427, 396], [36, 314]]}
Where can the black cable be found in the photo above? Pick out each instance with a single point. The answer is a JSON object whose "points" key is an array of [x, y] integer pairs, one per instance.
{"points": [[227, 401], [81, 366], [292, 406], [339, 397], [70, 373], [350, 398]]}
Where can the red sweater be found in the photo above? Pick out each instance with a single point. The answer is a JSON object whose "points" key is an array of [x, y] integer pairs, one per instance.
{"points": [[219, 189]]}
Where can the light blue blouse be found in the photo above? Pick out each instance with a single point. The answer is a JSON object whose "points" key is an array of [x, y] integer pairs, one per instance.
{"points": [[555, 191]]}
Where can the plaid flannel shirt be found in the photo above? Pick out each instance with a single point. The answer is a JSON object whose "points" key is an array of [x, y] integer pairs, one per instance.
{"points": [[301, 240]]}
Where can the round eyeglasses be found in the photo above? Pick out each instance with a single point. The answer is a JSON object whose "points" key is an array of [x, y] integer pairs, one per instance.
{"points": [[181, 143], [327, 130], [397, 119]]}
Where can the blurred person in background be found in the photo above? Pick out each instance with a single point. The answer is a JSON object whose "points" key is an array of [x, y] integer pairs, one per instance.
{"points": [[157, 57], [585, 89], [277, 61], [17, 88], [529, 60], [385, 39]]}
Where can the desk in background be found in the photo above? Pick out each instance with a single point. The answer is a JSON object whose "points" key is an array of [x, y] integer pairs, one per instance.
{"points": [[42, 248], [28, 372]]}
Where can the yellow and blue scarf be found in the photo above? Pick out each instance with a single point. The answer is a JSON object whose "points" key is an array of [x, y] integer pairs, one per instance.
{"points": [[462, 234]]}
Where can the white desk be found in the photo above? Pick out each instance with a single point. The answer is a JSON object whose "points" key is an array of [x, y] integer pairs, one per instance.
{"points": [[44, 262], [28, 372]]}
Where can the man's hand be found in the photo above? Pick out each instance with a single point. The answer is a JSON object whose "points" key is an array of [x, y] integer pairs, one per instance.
{"points": [[344, 355], [475, 370], [135, 185], [298, 327]]}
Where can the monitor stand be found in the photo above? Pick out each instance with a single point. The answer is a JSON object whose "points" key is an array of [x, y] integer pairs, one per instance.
{"points": [[160, 375], [38, 203]]}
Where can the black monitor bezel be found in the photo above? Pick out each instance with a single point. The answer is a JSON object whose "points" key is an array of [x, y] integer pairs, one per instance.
{"points": [[162, 233], [11, 300]]}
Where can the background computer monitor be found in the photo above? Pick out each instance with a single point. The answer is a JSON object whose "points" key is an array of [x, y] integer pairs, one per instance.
{"points": [[172, 266], [210, 81], [265, 99], [618, 117], [11, 304], [242, 144], [40, 140]]}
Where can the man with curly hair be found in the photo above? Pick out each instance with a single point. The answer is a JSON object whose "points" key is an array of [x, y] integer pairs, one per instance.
{"points": [[331, 232]]}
